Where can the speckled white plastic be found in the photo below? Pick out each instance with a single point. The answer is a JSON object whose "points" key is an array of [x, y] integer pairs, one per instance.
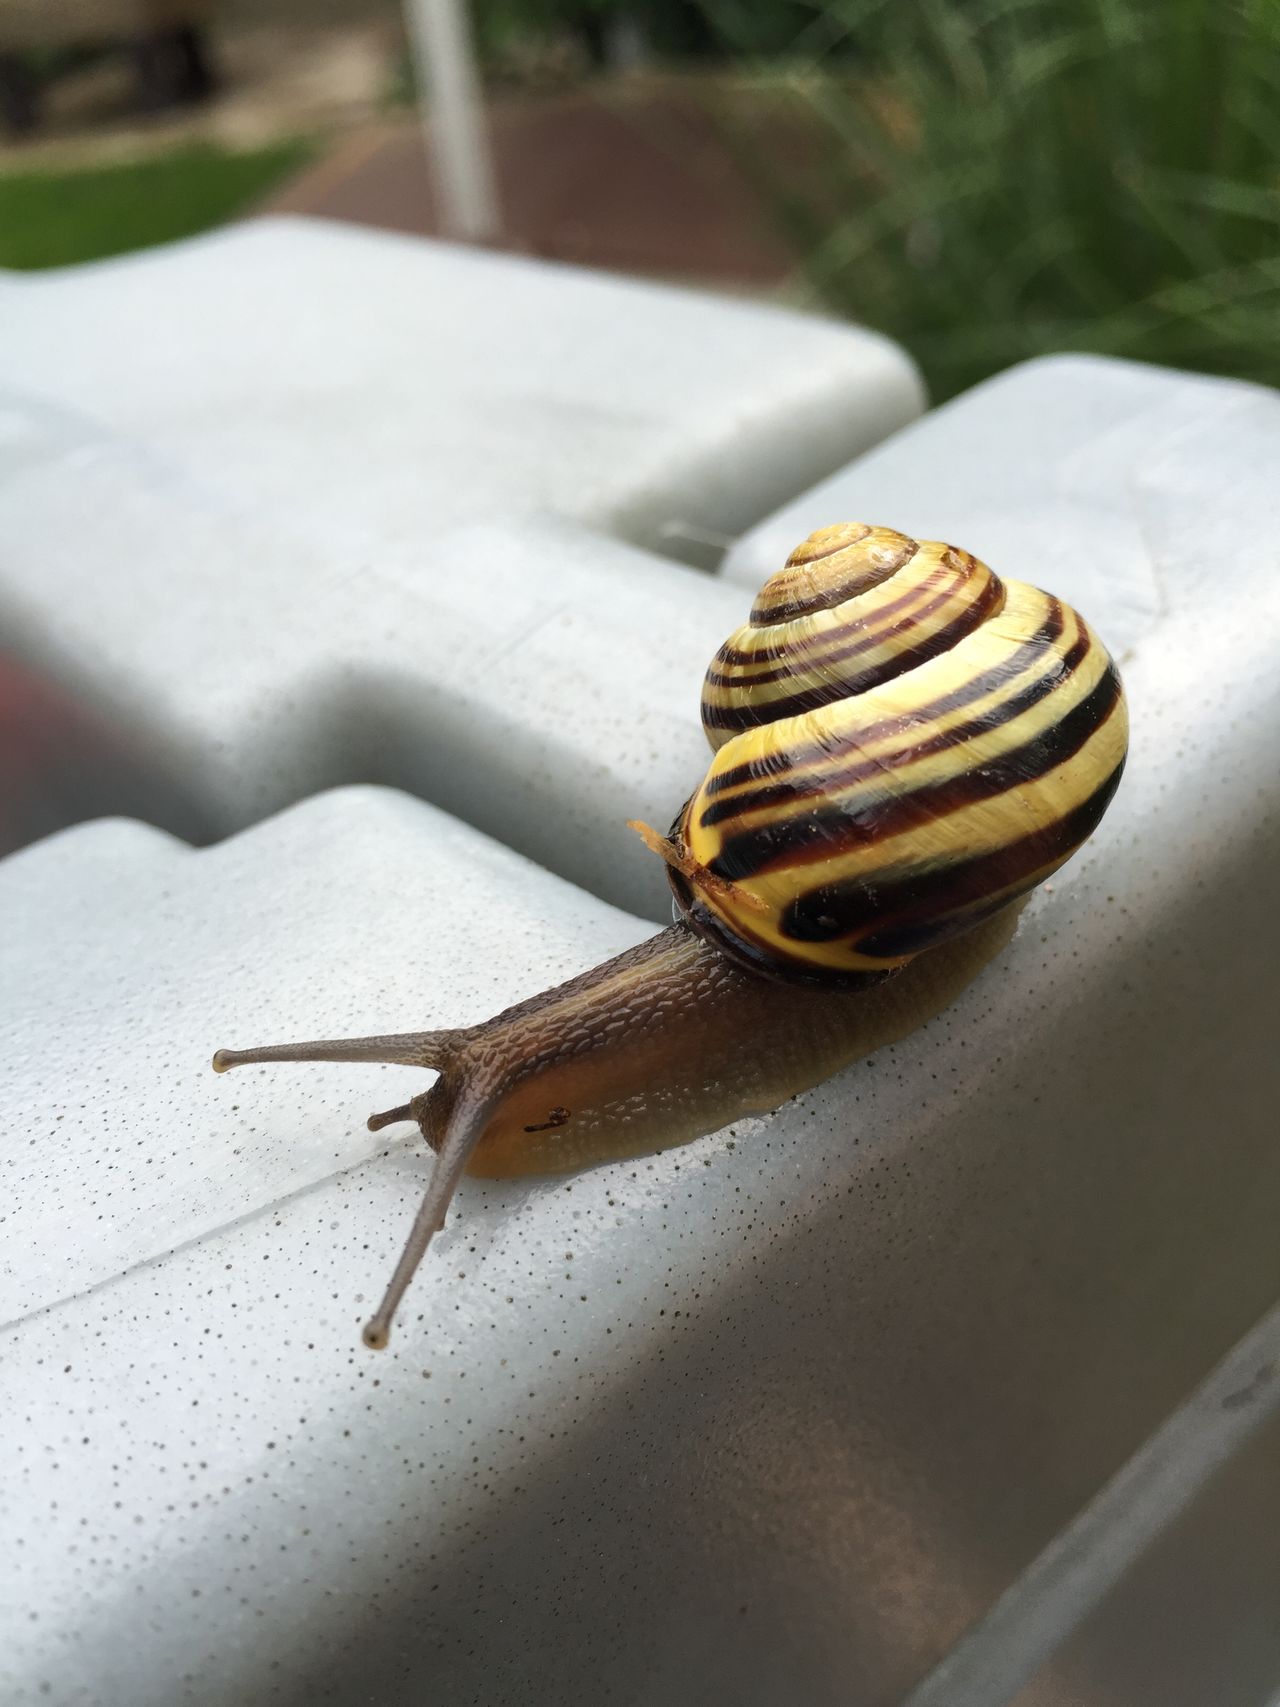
{"points": [[776, 1416], [369, 494], [359, 908], [1072, 472], [1195, 1621], [374, 389], [536, 680]]}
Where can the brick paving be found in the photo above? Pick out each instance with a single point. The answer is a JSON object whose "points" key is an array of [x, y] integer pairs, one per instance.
{"points": [[638, 180]]}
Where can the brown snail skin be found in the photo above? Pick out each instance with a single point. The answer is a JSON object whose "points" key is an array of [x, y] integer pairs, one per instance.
{"points": [[905, 746]]}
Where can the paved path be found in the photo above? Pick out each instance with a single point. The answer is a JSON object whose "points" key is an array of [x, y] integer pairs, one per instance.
{"points": [[641, 181]]}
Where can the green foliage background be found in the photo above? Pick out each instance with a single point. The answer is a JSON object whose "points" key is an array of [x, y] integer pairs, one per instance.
{"points": [[1036, 175], [989, 179]]}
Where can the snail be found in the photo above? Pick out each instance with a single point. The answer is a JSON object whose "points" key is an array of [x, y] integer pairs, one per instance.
{"points": [[904, 745]]}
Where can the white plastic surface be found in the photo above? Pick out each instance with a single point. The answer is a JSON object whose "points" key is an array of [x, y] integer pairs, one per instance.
{"points": [[1081, 474], [776, 1416], [538, 681], [296, 505], [148, 944], [1197, 1620], [372, 390]]}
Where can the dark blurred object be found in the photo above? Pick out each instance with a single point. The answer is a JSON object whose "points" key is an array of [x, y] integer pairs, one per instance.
{"points": [[61, 762], [172, 67], [19, 94], [608, 35], [41, 40]]}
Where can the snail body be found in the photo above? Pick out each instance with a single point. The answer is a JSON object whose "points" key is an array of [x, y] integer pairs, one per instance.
{"points": [[904, 747]]}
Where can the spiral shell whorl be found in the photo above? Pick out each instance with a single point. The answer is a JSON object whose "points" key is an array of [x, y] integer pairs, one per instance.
{"points": [[853, 607], [832, 565], [905, 744]]}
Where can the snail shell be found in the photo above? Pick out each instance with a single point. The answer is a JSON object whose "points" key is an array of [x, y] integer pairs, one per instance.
{"points": [[905, 744]]}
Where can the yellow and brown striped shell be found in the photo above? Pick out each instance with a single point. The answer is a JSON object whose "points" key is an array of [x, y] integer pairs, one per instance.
{"points": [[904, 744]]}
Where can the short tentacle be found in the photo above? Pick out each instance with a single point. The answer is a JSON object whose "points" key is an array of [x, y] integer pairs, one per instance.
{"points": [[390, 1117]]}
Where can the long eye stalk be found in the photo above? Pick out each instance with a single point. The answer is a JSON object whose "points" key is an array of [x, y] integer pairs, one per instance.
{"points": [[466, 1123], [403, 1049]]}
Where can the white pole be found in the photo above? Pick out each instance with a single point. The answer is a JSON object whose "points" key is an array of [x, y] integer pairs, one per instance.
{"points": [[453, 113]]}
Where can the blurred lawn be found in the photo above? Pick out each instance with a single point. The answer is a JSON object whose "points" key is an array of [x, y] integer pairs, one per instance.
{"points": [[53, 219]]}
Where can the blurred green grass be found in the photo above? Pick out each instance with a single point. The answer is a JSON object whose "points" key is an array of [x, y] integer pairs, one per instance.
{"points": [[57, 218], [993, 179]]}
